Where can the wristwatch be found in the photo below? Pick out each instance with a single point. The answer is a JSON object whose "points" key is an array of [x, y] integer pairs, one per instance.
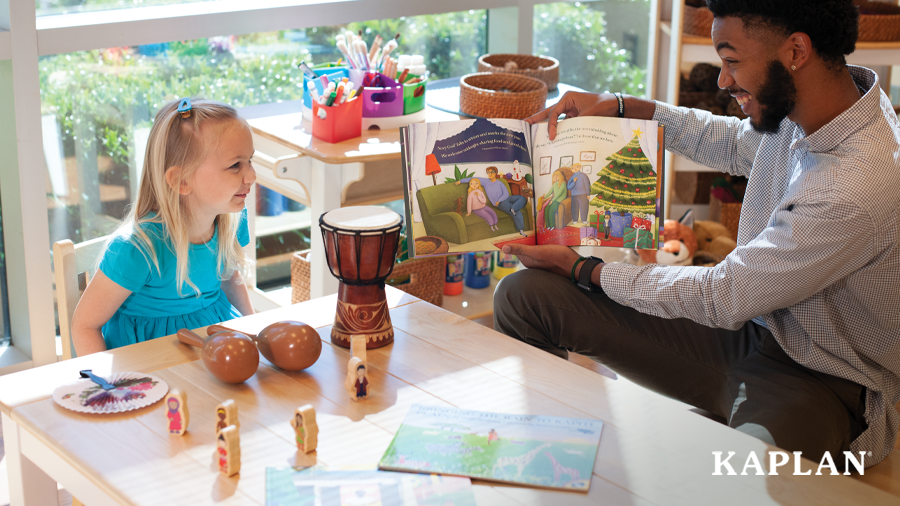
{"points": [[584, 277]]}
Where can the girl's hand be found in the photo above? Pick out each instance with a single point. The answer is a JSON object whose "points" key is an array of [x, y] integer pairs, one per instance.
{"points": [[469, 214]]}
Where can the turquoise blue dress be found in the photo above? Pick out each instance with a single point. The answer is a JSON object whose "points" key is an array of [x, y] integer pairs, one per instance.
{"points": [[154, 308]]}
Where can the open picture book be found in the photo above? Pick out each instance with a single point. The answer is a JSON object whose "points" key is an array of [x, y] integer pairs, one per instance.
{"points": [[479, 184], [542, 451]]}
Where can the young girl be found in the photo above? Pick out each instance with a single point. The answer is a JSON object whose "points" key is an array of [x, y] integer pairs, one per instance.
{"points": [[477, 204], [176, 261]]}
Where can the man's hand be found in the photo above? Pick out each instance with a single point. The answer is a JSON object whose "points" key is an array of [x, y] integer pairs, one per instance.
{"points": [[457, 183], [574, 104], [550, 257], [497, 204]]}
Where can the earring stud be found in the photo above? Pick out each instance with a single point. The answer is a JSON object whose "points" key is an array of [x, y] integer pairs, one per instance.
{"points": [[793, 67]]}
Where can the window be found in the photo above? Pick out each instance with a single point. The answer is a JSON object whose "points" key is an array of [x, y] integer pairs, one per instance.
{"points": [[98, 106], [601, 46]]}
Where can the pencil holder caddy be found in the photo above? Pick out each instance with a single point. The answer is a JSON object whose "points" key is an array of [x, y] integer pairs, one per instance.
{"points": [[379, 102], [337, 123], [330, 72], [414, 96]]}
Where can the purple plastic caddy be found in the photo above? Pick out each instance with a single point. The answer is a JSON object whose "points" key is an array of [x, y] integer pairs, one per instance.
{"points": [[380, 102]]}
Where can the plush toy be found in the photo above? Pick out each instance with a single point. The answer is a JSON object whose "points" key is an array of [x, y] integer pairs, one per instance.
{"points": [[679, 248], [714, 237]]}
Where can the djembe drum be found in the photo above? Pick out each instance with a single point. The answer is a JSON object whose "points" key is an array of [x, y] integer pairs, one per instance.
{"points": [[360, 247]]}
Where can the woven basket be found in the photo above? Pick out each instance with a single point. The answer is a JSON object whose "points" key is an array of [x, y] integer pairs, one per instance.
{"points": [[726, 213], [697, 21], [426, 278], [878, 21], [545, 68], [300, 277], [501, 95]]}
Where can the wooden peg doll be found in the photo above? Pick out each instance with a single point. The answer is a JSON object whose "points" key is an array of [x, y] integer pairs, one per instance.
{"points": [[358, 347], [228, 450], [227, 414], [305, 427], [177, 411], [357, 382]]}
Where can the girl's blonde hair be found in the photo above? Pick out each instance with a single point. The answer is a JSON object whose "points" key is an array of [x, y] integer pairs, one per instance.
{"points": [[179, 142], [470, 185]]}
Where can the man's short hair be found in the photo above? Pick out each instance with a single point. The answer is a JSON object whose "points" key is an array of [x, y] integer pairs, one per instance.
{"points": [[492, 169], [832, 25]]}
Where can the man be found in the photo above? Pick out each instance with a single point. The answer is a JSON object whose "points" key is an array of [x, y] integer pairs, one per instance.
{"points": [[580, 186], [498, 194], [793, 338]]}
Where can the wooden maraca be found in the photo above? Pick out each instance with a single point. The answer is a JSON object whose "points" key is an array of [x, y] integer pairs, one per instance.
{"points": [[230, 356], [290, 345]]}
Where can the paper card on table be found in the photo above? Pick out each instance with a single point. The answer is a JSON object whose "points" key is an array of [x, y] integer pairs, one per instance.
{"points": [[319, 487], [545, 451]]}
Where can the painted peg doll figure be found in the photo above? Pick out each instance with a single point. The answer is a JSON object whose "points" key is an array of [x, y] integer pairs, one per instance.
{"points": [[226, 414], [228, 451], [305, 428], [357, 384], [177, 413]]}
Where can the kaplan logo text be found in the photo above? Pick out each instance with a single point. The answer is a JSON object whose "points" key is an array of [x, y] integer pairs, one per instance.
{"points": [[778, 459]]}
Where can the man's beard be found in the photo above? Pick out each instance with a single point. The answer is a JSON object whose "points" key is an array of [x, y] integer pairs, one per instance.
{"points": [[776, 98]]}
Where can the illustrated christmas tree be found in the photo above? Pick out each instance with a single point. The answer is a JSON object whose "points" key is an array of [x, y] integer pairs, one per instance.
{"points": [[627, 182]]}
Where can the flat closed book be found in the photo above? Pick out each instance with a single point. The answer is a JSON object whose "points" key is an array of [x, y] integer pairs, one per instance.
{"points": [[479, 184], [542, 451]]}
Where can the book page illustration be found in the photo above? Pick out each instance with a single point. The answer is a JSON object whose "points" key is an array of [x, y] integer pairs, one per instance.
{"points": [[543, 451], [470, 185], [602, 187]]}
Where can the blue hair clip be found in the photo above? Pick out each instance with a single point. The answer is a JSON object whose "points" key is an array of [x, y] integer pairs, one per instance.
{"points": [[184, 107]]}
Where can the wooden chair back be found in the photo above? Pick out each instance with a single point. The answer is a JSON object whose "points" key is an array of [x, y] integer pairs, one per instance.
{"points": [[74, 265]]}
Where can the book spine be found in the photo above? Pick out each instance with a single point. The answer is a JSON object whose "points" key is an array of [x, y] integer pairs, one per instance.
{"points": [[407, 189]]}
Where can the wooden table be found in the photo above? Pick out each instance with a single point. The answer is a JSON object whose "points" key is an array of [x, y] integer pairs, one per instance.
{"points": [[652, 450]]}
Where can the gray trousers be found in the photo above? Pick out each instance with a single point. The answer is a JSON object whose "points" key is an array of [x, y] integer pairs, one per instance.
{"points": [[579, 205], [742, 376]]}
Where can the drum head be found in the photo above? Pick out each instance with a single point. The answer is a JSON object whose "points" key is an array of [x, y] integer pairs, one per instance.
{"points": [[355, 219]]}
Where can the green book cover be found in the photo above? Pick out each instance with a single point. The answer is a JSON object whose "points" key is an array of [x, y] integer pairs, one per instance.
{"points": [[543, 451]]}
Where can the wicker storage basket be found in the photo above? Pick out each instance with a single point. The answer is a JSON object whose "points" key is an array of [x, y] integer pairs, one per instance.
{"points": [[501, 95], [697, 21], [878, 21], [545, 68], [300, 277], [726, 213], [426, 278]]}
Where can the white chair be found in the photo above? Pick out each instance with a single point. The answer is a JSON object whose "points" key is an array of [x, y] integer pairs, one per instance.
{"points": [[74, 265]]}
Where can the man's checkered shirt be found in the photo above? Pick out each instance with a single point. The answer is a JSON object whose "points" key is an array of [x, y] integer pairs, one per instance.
{"points": [[818, 259]]}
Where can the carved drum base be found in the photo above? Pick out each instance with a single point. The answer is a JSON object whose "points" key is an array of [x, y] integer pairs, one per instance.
{"points": [[362, 311]]}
